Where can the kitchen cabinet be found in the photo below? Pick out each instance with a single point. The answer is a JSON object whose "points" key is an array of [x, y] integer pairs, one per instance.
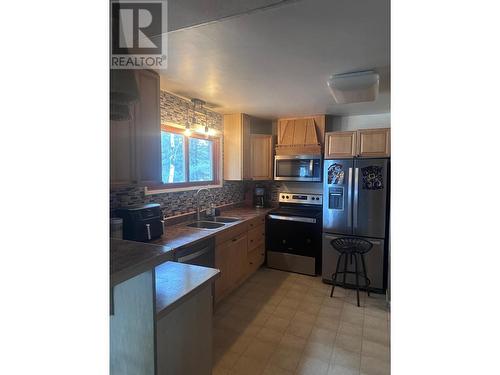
{"points": [[340, 145], [242, 134], [374, 142], [239, 252], [135, 144], [261, 157], [361, 143]]}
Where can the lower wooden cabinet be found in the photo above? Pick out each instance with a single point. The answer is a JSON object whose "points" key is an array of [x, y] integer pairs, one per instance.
{"points": [[239, 252]]}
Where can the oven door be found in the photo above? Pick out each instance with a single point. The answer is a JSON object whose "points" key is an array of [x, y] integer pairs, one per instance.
{"points": [[297, 168], [293, 235]]}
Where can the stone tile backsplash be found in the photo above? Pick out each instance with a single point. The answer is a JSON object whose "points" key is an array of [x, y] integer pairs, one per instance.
{"points": [[177, 203]]}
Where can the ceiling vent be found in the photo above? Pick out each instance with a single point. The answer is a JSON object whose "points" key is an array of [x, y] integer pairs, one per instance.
{"points": [[354, 87]]}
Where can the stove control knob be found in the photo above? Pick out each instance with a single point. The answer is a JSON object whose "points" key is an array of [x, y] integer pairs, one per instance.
{"points": [[287, 197], [282, 197]]}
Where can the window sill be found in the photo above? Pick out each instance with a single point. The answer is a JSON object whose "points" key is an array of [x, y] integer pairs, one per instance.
{"points": [[151, 191]]}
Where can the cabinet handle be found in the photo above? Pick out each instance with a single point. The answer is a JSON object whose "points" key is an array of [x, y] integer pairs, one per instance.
{"points": [[234, 239]]}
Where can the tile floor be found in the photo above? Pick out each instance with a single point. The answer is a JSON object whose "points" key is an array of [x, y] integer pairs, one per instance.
{"points": [[280, 323]]}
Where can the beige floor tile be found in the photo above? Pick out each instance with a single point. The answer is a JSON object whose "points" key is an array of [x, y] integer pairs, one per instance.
{"points": [[259, 349], [308, 308], [312, 366], [350, 329], [248, 366], [341, 370], [374, 366], [331, 323], [304, 317], [226, 359], [302, 330], [285, 358], [292, 342], [375, 350], [277, 324], [270, 335], [283, 323], [323, 336], [240, 344], [345, 358], [318, 350], [284, 312], [330, 311], [348, 342], [220, 371], [376, 335], [375, 323], [274, 370]]}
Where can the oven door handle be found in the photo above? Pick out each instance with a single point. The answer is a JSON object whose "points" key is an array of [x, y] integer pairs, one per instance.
{"points": [[293, 218], [185, 258]]}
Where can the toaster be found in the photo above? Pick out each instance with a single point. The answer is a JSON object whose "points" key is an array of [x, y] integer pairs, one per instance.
{"points": [[141, 222]]}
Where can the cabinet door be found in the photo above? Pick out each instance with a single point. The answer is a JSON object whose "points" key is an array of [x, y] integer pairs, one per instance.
{"points": [[233, 144], [148, 129], [340, 145], [261, 157], [374, 142], [121, 139], [222, 259], [237, 260]]}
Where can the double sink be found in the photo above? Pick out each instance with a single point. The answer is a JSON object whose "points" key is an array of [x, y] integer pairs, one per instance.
{"points": [[213, 222]]}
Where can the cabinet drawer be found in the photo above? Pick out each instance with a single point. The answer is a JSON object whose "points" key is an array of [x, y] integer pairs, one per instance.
{"points": [[255, 259], [230, 234], [255, 222], [256, 236]]}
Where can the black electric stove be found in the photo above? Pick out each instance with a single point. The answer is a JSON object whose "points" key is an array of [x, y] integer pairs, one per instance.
{"points": [[293, 240]]}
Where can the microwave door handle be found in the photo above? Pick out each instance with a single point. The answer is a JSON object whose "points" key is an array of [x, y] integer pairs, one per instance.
{"points": [[356, 197], [148, 231], [349, 199], [311, 168]]}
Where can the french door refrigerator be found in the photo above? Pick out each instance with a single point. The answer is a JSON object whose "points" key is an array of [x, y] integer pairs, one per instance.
{"points": [[355, 203]]}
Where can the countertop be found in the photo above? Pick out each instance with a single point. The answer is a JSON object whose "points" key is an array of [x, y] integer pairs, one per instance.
{"points": [[179, 235], [130, 258], [175, 282]]}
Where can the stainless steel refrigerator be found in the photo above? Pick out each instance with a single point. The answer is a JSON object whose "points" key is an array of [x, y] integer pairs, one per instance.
{"points": [[355, 203]]}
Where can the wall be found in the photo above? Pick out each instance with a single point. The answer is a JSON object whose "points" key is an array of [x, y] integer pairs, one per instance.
{"points": [[344, 123], [174, 109]]}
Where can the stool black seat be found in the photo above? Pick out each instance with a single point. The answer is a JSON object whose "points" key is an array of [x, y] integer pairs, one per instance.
{"points": [[351, 247]]}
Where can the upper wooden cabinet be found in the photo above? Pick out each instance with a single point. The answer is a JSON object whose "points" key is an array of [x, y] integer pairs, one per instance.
{"points": [[374, 142], [361, 143], [248, 153], [261, 157], [340, 145], [135, 144]]}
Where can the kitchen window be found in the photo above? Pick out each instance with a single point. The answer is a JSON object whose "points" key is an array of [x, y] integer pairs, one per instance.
{"points": [[188, 160]]}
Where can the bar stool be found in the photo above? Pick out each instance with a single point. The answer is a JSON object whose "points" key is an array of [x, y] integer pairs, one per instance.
{"points": [[351, 247]]}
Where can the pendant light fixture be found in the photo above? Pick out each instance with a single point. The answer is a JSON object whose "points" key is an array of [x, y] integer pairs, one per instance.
{"points": [[187, 131]]}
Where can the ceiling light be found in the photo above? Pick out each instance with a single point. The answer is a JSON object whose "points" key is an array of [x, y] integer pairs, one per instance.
{"points": [[354, 87]]}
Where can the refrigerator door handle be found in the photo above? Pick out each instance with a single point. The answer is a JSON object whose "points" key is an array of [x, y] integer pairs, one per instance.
{"points": [[349, 199], [356, 196]]}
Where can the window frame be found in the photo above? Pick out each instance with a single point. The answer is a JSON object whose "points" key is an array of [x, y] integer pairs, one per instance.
{"points": [[216, 161]]}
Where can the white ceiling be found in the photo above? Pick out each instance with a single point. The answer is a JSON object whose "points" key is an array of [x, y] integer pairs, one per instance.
{"points": [[275, 63]]}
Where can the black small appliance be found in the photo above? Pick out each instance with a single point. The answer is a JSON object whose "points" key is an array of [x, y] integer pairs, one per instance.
{"points": [[259, 197], [141, 222]]}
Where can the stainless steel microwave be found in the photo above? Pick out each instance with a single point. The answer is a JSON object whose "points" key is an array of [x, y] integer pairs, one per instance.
{"points": [[297, 168]]}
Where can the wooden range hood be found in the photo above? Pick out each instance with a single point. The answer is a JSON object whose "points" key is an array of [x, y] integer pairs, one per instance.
{"points": [[301, 136]]}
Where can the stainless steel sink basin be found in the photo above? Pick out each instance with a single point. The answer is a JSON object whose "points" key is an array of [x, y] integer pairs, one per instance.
{"points": [[223, 219], [205, 225]]}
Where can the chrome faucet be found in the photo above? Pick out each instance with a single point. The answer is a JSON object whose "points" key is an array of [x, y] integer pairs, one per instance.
{"points": [[197, 196]]}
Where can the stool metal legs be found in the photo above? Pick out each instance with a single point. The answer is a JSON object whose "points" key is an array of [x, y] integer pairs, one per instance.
{"points": [[334, 276], [356, 272], [367, 284], [357, 278]]}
